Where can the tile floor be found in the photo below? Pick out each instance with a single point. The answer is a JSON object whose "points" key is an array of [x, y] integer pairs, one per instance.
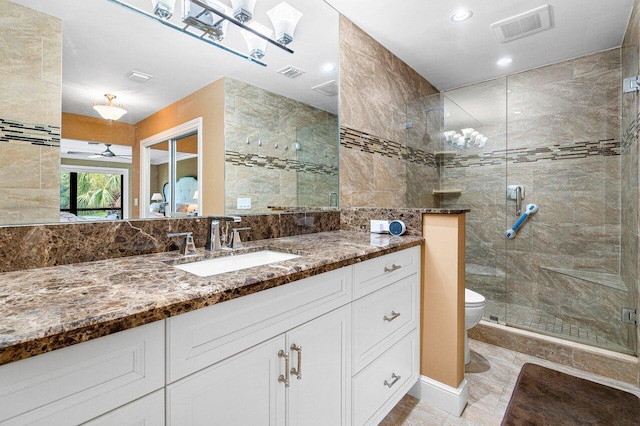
{"points": [[492, 374], [540, 321]]}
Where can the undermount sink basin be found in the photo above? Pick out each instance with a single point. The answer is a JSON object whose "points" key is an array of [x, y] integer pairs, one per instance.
{"points": [[220, 265]]}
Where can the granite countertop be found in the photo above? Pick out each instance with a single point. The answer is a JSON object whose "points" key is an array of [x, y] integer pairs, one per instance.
{"points": [[49, 308]]}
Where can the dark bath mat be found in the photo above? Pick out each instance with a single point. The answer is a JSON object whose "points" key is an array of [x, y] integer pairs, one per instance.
{"points": [[548, 397]]}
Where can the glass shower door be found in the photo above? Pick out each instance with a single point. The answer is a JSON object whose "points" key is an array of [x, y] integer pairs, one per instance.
{"points": [[563, 146]]}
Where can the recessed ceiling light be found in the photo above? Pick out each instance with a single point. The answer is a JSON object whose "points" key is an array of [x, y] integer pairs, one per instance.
{"points": [[461, 15], [503, 62], [328, 67]]}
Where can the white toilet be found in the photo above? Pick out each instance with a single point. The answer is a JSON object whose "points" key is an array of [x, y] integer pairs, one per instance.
{"points": [[473, 311]]}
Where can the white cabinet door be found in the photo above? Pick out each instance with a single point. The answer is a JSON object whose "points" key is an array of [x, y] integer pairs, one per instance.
{"points": [[148, 411], [321, 396], [242, 390]]}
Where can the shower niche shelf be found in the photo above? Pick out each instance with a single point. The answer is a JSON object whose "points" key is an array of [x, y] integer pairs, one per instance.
{"points": [[445, 154], [447, 191]]}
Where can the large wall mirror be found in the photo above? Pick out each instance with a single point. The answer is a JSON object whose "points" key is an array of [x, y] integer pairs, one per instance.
{"points": [[269, 135]]}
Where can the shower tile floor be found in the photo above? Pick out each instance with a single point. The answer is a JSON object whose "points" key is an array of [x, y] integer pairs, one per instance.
{"points": [[492, 375], [534, 319]]}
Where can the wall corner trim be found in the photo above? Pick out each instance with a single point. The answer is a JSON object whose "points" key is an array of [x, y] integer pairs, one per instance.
{"points": [[444, 397]]}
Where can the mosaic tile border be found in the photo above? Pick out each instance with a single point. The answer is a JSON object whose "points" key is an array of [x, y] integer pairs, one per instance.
{"points": [[275, 163], [568, 151], [361, 141], [631, 133], [35, 134]]}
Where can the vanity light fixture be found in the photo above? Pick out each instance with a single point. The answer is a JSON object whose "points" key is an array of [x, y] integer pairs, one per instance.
{"points": [[207, 20], [503, 62], [110, 111], [163, 9], [257, 45], [243, 9], [284, 19], [215, 26], [461, 15]]}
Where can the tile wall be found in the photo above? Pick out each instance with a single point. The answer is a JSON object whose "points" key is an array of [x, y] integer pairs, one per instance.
{"points": [[261, 159], [31, 52], [375, 87]]}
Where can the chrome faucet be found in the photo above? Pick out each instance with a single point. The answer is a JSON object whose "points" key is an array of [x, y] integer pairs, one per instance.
{"points": [[235, 241], [186, 244], [214, 240]]}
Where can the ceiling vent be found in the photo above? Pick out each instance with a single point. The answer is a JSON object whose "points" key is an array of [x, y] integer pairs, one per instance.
{"points": [[291, 72], [524, 24], [138, 76], [330, 88]]}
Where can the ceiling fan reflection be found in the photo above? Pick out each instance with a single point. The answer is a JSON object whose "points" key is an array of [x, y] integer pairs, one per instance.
{"points": [[106, 153]]}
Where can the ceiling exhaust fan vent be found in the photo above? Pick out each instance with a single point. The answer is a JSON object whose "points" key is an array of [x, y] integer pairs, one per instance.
{"points": [[290, 71], [330, 88], [522, 25]]}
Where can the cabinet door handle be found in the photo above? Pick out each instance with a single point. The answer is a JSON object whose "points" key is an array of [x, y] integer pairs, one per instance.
{"points": [[294, 371], [284, 378], [394, 267], [393, 316], [392, 381]]}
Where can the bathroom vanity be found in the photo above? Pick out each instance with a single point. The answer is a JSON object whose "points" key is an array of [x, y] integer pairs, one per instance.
{"points": [[331, 337]]}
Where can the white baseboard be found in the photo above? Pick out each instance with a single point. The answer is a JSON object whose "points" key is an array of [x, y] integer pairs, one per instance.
{"points": [[441, 396]]}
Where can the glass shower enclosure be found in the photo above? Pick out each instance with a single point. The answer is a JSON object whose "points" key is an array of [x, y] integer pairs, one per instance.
{"points": [[551, 138]]}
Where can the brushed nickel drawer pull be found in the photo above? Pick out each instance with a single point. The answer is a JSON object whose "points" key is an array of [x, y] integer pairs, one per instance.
{"points": [[284, 378], [393, 381], [297, 372], [393, 316], [394, 267]]}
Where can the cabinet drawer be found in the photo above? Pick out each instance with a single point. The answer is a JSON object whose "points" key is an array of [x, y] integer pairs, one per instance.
{"points": [[379, 387], [80, 382], [376, 273], [203, 337], [381, 318], [144, 411]]}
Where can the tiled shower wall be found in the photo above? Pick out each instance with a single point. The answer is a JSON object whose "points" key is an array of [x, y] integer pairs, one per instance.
{"points": [[375, 87], [630, 261], [562, 144], [30, 79], [261, 159]]}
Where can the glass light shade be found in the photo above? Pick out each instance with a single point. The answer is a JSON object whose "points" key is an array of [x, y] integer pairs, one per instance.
{"points": [[163, 8], [467, 132], [257, 46], [156, 197], [110, 111], [243, 9], [449, 135], [284, 19], [219, 24], [212, 24]]}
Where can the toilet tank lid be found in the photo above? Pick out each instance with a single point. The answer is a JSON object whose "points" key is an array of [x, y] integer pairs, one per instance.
{"points": [[471, 296]]}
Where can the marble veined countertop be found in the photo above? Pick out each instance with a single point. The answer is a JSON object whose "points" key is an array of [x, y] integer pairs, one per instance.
{"points": [[49, 308]]}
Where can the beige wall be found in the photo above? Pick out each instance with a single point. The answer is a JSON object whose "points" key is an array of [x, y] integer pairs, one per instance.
{"points": [[30, 81], [207, 103], [375, 87], [92, 129]]}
